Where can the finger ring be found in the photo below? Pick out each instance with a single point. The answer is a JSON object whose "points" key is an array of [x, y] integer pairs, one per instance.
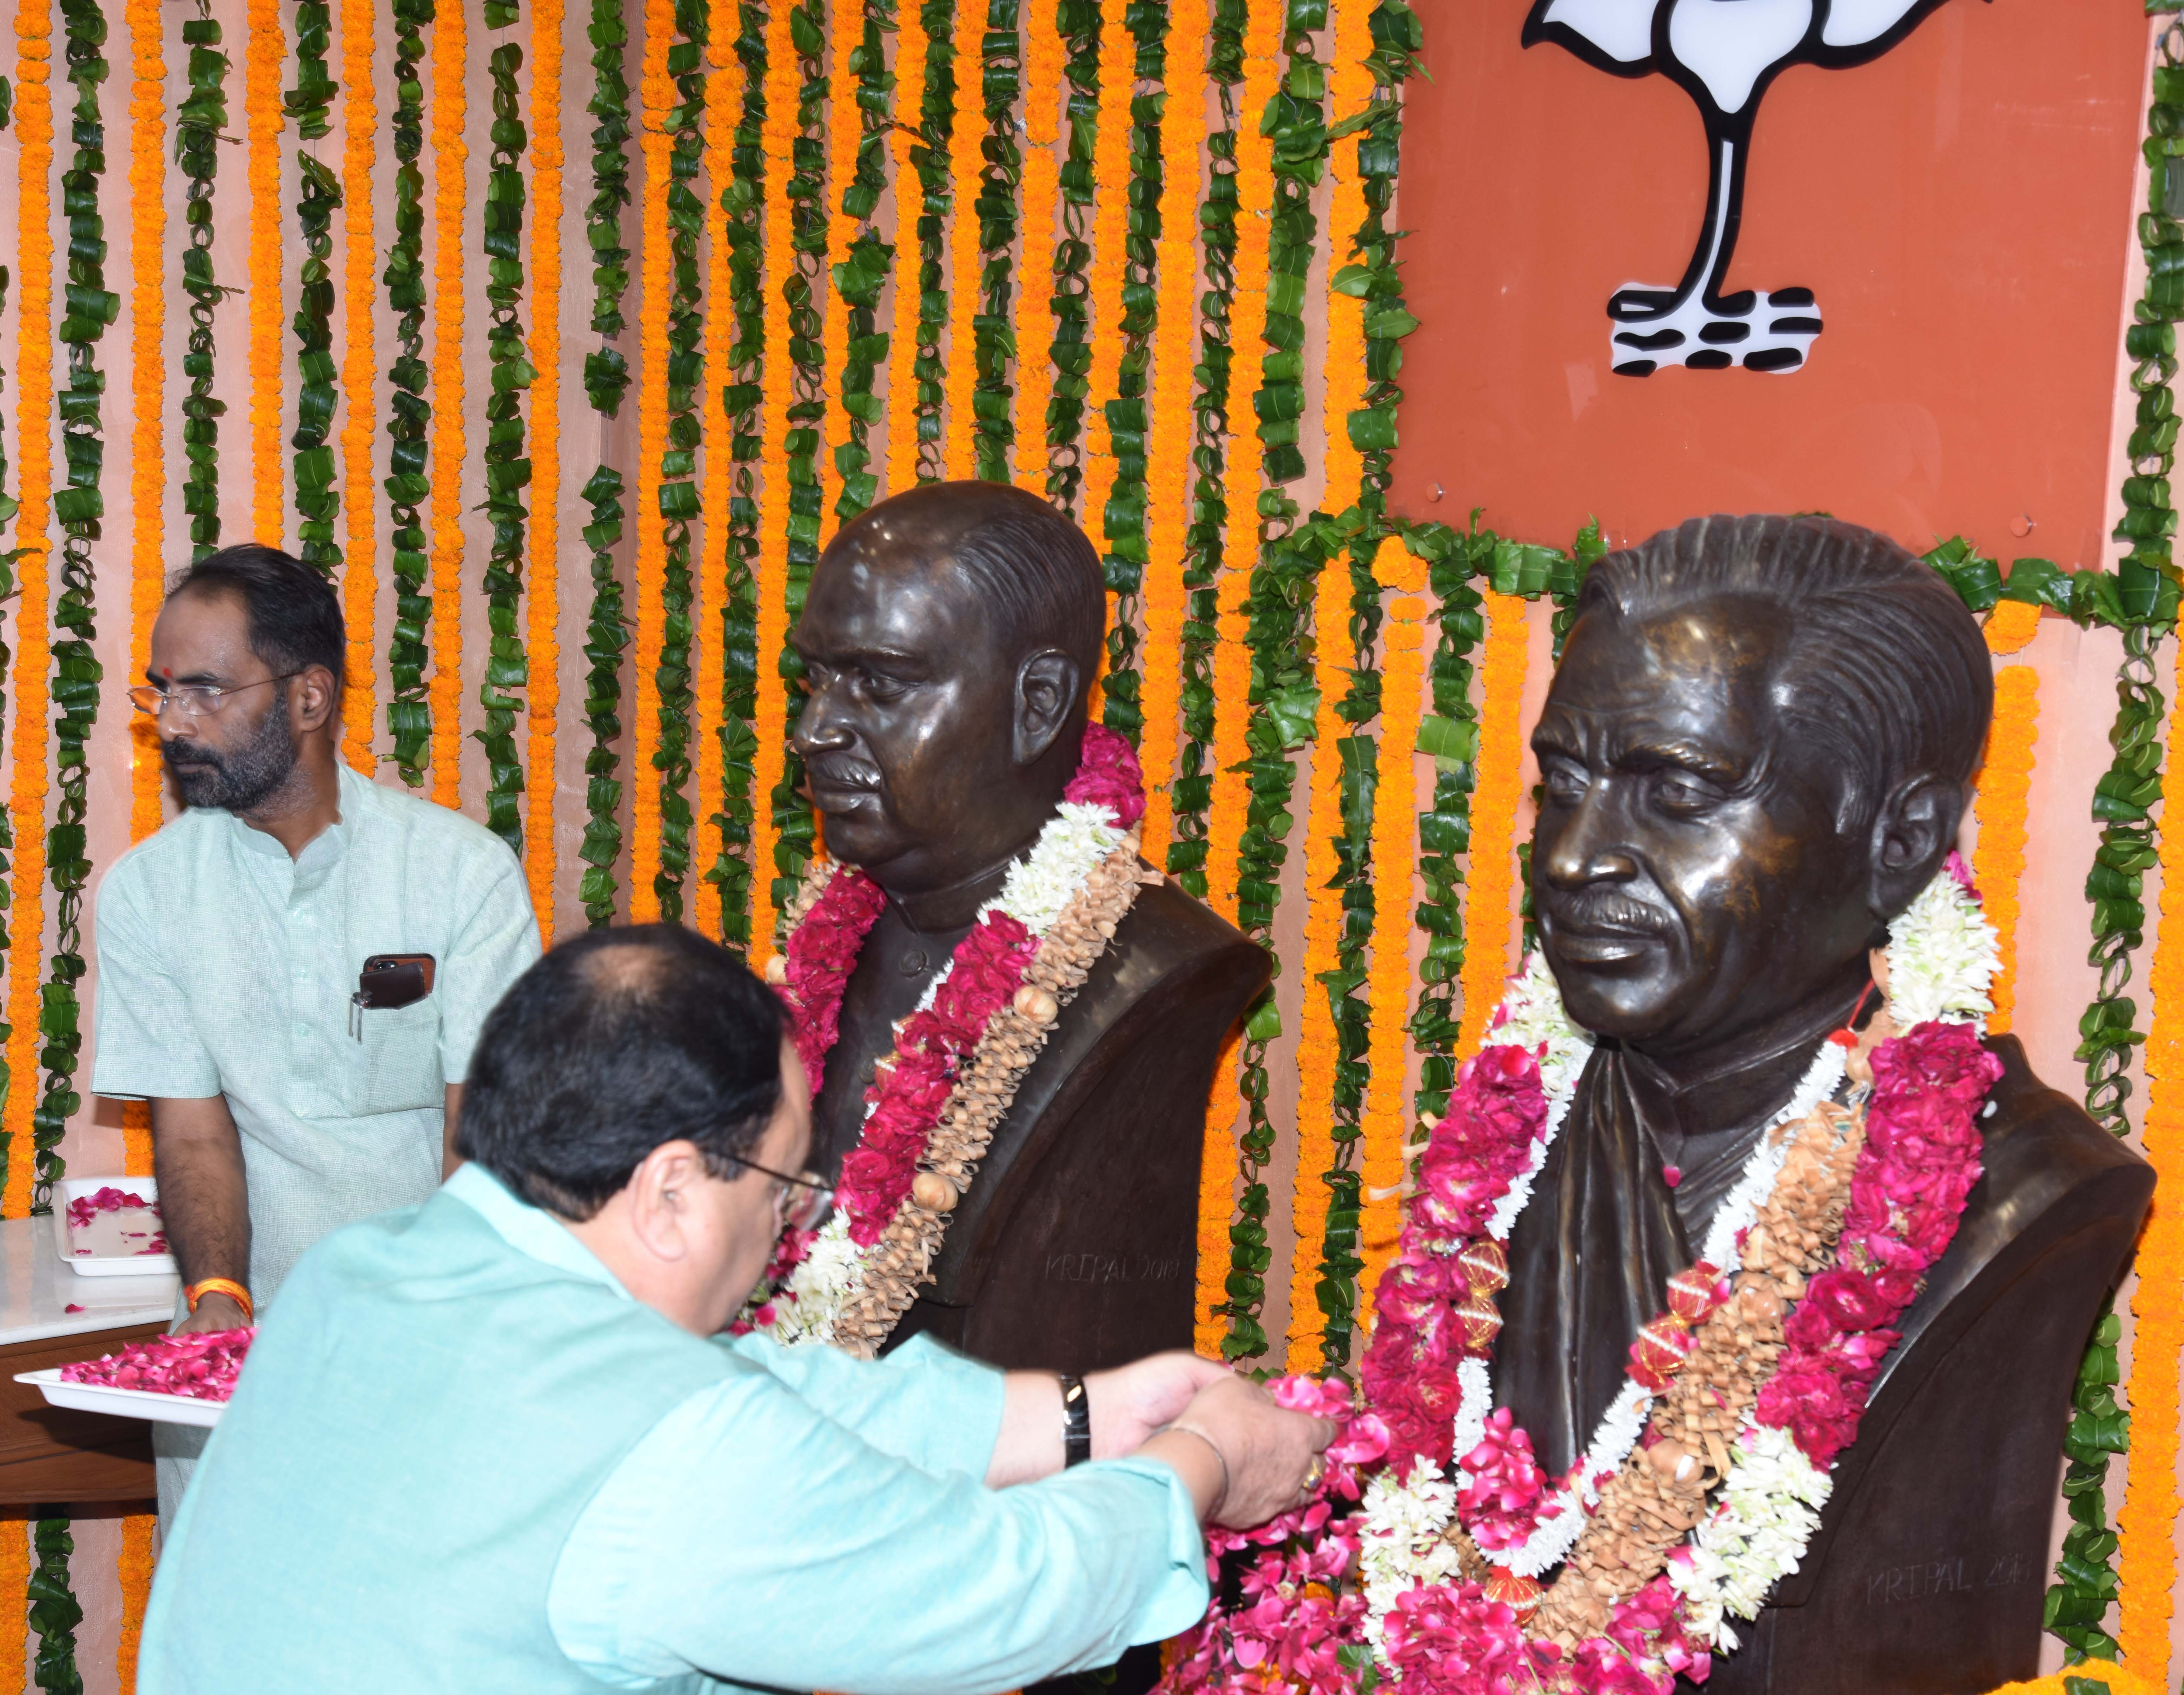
{"points": [[1314, 1473]]}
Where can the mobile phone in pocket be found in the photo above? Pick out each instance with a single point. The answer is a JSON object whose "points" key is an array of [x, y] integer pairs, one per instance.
{"points": [[388, 983]]}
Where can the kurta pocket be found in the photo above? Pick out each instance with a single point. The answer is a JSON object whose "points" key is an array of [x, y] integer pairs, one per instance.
{"points": [[398, 1069]]}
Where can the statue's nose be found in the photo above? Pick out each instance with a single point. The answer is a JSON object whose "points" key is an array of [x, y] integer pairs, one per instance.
{"points": [[1588, 845], [820, 727]]}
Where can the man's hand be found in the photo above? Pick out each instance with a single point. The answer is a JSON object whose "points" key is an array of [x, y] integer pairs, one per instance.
{"points": [[1133, 1400], [216, 1312], [1264, 1454]]}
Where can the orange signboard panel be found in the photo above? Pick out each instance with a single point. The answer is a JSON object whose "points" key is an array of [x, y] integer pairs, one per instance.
{"points": [[1960, 207]]}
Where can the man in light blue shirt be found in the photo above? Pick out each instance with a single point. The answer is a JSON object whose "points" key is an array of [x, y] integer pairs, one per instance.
{"points": [[231, 943], [497, 1442]]}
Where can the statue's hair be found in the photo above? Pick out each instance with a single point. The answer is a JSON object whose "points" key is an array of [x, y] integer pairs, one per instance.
{"points": [[1041, 571], [1885, 670]]}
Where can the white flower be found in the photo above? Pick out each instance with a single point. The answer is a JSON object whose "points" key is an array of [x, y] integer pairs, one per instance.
{"points": [[820, 1284], [1075, 840], [1942, 956], [1401, 1542], [1769, 1506], [1532, 1015]]}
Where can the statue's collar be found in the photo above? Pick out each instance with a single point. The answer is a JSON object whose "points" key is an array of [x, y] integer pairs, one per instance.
{"points": [[938, 911]]}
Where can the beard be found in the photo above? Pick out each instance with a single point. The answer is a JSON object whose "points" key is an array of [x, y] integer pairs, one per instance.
{"points": [[235, 782]]}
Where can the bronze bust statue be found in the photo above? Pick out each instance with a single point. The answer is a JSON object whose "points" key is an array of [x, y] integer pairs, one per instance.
{"points": [[1755, 753], [951, 636]]}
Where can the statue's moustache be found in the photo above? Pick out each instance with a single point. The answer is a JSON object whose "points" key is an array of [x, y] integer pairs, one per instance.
{"points": [[842, 771], [1602, 910]]}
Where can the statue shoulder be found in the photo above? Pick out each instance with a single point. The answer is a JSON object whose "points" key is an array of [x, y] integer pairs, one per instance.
{"points": [[2048, 1173], [1168, 933], [2038, 1141]]}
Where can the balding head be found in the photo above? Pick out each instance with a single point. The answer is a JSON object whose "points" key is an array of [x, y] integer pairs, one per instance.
{"points": [[950, 636], [615, 1043]]}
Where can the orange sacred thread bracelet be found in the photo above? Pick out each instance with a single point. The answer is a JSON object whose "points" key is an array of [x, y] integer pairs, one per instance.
{"points": [[224, 1285]]}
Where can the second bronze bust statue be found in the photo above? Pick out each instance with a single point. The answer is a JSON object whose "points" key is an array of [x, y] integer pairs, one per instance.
{"points": [[949, 638], [1755, 753]]}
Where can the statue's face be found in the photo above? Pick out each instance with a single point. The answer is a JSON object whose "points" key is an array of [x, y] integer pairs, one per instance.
{"points": [[1688, 873], [907, 731]]}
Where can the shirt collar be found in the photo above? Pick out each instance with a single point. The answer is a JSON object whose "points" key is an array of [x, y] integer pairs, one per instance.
{"points": [[528, 1228], [326, 849]]}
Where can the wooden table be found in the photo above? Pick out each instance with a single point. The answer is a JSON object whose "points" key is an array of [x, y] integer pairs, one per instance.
{"points": [[54, 1455]]}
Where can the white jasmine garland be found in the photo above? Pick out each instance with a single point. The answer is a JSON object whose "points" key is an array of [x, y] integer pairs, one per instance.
{"points": [[1942, 956], [1768, 1509], [1075, 842], [1403, 1540]]}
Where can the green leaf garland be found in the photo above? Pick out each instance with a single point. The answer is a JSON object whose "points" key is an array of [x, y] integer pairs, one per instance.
{"points": [[935, 127], [507, 470], [742, 198], [678, 459], [1204, 542], [862, 274], [54, 1612], [318, 197], [1077, 22], [993, 332], [409, 413], [1123, 523], [1283, 698], [199, 120], [78, 506], [805, 193], [606, 379]]}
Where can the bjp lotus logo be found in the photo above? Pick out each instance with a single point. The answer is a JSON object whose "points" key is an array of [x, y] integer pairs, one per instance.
{"points": [[1723, 53]]}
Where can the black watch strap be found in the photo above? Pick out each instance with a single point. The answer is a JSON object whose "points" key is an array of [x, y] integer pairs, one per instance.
{"points": [[1076, 1421]]}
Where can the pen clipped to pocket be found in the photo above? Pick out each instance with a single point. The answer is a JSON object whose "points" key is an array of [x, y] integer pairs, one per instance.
{"points": [[388, 982]]}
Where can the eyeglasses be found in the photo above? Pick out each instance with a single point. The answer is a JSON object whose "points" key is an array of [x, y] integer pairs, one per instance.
{"points": [[193, 699], [814, 1197]]}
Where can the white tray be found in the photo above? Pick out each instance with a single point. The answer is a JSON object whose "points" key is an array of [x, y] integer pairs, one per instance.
{"points": [[105, 1264], [126, 1403]]}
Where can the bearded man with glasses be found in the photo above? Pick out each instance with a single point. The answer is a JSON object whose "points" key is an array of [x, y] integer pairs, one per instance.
{"points": [[294, 970]]}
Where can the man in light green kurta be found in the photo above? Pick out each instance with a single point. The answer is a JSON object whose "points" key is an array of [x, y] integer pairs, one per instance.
{"points": [[496, 1441], [230, 944]]}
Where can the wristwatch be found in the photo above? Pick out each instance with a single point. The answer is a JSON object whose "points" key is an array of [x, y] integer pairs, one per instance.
{"points": [[1076, 1421]]}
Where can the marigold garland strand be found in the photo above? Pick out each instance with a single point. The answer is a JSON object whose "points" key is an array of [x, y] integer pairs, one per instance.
{"points": [[15, 1536], [148, 308], [28, 784], [2005, 785], [262, 54], [1167, 457], [1042, 190], [1323, 914], [844, 127], [771, 762], [134, 1569], [450, 47], [359, 361], [1388, 989], [656, 282], [2147, 1561], [544, 350], [723, 97], [959, 382], [1488, 899], [902, 438]]}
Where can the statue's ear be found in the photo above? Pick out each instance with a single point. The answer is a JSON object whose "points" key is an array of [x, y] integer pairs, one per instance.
{"points": [[1048, 687], [1912, 833]]}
